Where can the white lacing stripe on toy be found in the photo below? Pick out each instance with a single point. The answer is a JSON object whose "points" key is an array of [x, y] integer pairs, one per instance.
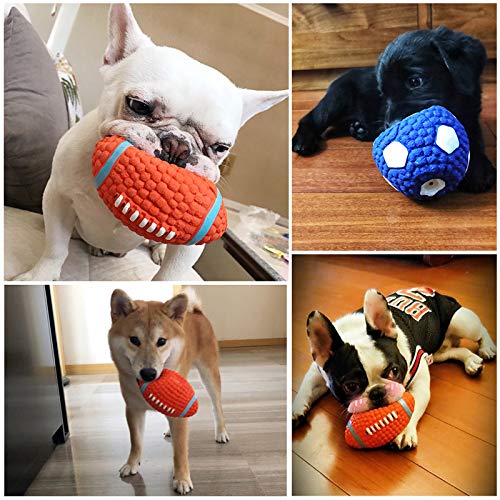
{"points": [[151, 228], [170, 235], [143, 222], [394, 414], [126, 208], [118, 201], [134, 216], [161, 232]]}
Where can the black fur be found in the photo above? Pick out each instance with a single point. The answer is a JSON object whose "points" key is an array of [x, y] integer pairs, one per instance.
{"points": [[417, 70]]}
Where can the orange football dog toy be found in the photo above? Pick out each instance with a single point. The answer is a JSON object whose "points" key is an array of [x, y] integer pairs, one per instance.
{"points": [[378, 427], [170, 394], [157, 200]]}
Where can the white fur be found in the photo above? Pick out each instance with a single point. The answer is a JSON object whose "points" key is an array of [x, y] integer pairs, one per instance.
{"points": [[188, 92], [194, 302]]}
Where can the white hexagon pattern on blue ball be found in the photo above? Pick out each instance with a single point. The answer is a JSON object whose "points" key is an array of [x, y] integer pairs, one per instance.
{"points": [[446, 139], [431, 187], [395, 155]]}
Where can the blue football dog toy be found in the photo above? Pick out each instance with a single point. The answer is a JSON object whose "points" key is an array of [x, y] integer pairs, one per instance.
{"points": [[424, 156]]}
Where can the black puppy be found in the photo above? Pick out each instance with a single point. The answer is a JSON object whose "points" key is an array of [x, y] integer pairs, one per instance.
{"points": [[417, 70]]}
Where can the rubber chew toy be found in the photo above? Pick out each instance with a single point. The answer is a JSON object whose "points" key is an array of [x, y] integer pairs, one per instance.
{"points": [[424, 156], [157, 200], [378, 427], [170, 394]]}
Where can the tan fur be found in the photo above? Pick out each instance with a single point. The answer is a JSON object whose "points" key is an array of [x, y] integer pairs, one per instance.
{"points": [[190, 341]]}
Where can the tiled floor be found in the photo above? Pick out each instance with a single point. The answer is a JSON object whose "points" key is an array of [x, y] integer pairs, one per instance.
{"points": [[253, 463]]}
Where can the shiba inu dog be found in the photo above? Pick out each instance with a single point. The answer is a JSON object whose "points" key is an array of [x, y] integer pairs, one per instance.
{"points": [[146, 337], [367, 359]]}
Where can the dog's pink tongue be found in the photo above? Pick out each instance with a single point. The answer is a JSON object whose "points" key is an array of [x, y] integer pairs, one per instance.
{"points": [[358, 405]]}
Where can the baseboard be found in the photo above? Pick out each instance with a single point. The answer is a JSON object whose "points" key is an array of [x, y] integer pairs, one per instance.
{"points": [[105, 368], [251, 342], [92, 369]]}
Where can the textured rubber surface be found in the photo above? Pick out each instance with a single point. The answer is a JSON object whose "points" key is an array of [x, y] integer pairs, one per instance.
{"points": [[426, 161], [170, 394], [378, 427], [157, 200]]}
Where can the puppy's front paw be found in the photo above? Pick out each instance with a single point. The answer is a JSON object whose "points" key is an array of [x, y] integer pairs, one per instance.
{"points": [[299, 414], [129, 470], [158, 253], [306, 141], [28, 276], [222, 436], [406, 439], [473, 365], [183, 486], [359, 131]]}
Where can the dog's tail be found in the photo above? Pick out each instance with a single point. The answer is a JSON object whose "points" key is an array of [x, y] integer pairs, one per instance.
{"points": [[194, 302]]}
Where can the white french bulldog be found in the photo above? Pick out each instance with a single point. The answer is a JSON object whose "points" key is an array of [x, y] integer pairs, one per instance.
{"points": [[165, 103]]}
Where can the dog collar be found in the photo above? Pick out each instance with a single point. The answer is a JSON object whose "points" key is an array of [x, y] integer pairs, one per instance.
{"points": [[415, 363]]}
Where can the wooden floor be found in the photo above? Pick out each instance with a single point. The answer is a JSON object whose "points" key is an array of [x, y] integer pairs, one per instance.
{"points": [[342, 202], [456, 454], [253, 463]]}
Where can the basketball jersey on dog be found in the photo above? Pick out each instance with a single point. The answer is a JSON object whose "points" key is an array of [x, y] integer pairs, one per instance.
{"points": [[424, 315]]}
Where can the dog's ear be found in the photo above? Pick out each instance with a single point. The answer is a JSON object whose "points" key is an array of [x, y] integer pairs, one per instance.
{"points": [[121, 305], [378, 316], [176, 308], [124, 34], [463, 55], [256, 101], [323, 337]]}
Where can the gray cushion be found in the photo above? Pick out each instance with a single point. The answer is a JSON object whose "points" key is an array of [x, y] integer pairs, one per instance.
{"points": [[35, 113]]}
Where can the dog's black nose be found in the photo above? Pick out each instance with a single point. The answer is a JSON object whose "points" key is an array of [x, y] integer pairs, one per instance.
{"points": [[148, 374], [377, 395], [176, 149]]}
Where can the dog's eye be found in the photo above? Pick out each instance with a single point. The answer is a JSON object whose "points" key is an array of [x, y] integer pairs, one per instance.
{"points": [[351, 387], [394, 373], [219, 149], [414, 82], [161, 342], [135, 341], [139, 107]]}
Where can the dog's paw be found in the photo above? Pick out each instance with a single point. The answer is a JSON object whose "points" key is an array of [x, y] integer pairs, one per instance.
{"points": [[359, 131], [407, 439], [222, 436], [299, 414], [487, 349], [306, 142], [27, 276], [473, 365], [158, 253], [480, 177], [33, 275], [183, 486], [129, 470]]}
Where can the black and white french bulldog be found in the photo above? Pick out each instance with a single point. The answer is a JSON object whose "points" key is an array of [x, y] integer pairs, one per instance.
{"points": [[367, 359]]}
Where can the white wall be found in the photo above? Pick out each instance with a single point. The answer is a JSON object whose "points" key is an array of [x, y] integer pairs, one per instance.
{"points": [[84, 314], [237, 312], [246, 311]]}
